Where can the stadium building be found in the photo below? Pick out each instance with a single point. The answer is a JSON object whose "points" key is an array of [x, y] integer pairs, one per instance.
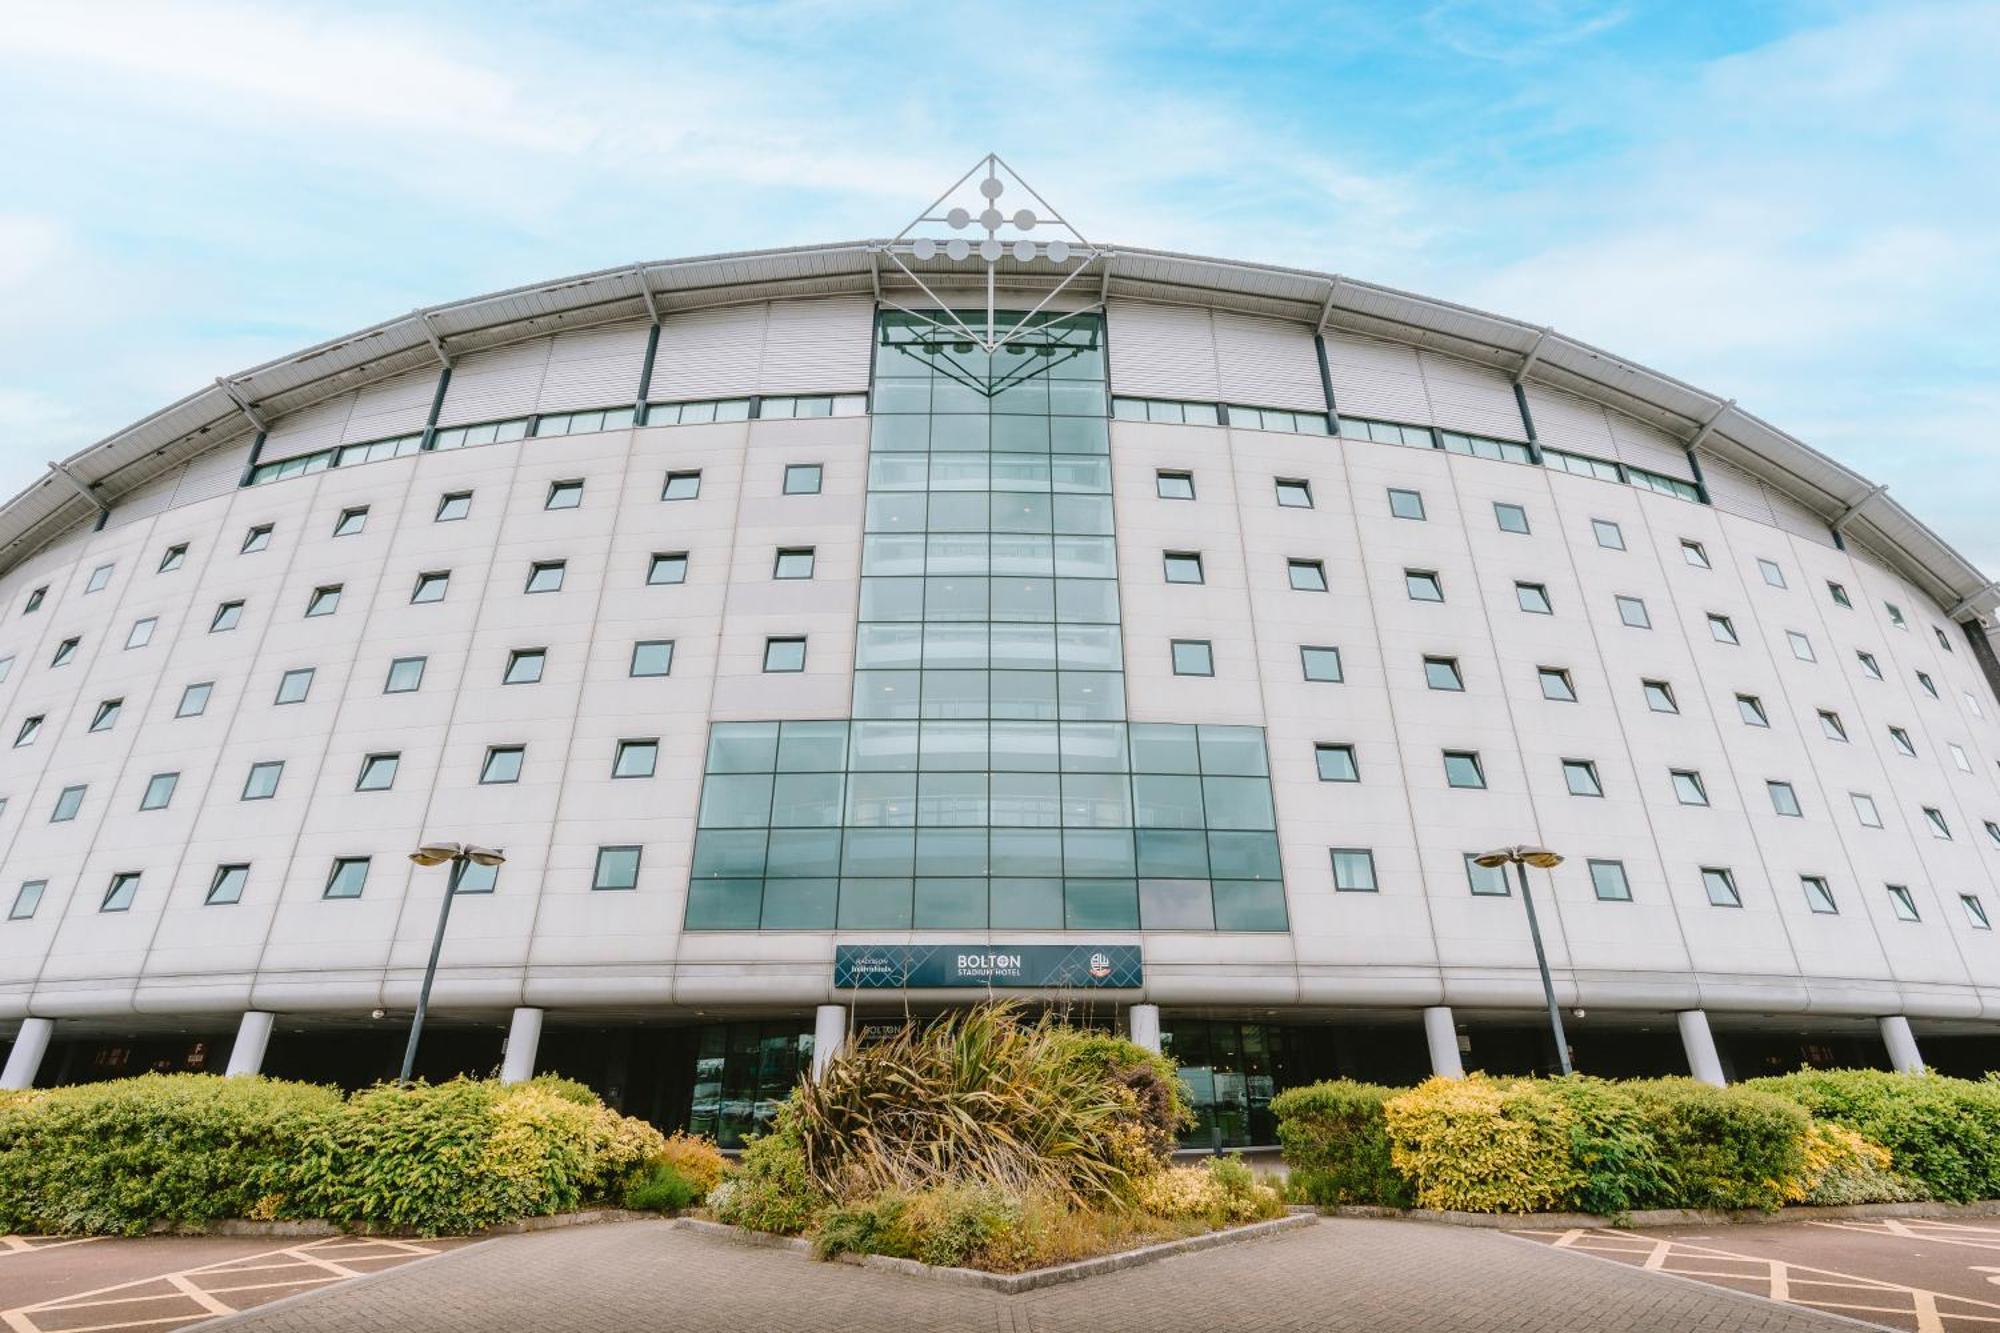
{"points": [[833, 633]]}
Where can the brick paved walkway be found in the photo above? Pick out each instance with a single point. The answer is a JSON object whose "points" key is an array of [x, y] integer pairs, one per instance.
{"points": [[1343, 1274]]}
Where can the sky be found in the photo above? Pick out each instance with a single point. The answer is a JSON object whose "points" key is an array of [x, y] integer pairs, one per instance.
{"points": [[1796, 205]]}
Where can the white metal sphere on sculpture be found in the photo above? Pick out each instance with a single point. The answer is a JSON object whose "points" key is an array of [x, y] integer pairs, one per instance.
{"points": [[991, 219], [990, 250], [958, 219], [1025, 219], [957, 249], [992, 188], [925, 248], [1024, 250], [1059, 251]]}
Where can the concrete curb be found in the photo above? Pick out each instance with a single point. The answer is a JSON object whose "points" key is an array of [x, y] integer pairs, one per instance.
{"points": [[312, 1228], [1670, 1217], [1012, 1284]]}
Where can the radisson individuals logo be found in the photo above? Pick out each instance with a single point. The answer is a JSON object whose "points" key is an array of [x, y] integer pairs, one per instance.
{"points": [[1100, 966]]}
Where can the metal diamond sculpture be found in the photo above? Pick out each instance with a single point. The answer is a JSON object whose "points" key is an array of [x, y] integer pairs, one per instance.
{"points": [[1001, 217]]}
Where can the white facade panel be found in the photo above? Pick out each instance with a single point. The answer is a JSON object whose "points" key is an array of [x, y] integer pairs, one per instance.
{"points": [[1268, 363], [1162, 351], [398, 406], [214, 473], [1648, 447], [1796, 519], [1734, 491], [817, 346], [309, 429], [592, 368], [1384, 381], [1475, 399], [710, 353], [1564, 421], [493, 386]]}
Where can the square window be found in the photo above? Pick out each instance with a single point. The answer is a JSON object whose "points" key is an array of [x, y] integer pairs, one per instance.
{"points": [[1406, 504], [141, 632], [1294, 493], [793, 563], [65, 652], [1772, 574], [431, 587], [472, 877], [1321, 664], [1831, 726], [35, 599], [1688, 787], [1959, 757], [1462, 769], [106, 716], [1580, 776], [31, 727], [1869, 666], [546, 575], [262, 783], [1174, 485], [502, 765], [1336, 763], [1783, 799], [1608, 882], [324, 600], [1944, 641], [1903, 902], [1819, 898], [227, 617], [68, 801], [668, 567], [1895, 615], [635, 759], [1193, 657], [118, 895], [1864, 809], [1801, 646], [653, 657], [681, 486], [1975, 911], [378, 772], [1556, 684], [564, 495], [7, 669], [99, 579], [405, 675], [1510, 517], [1609, 535], [256, 539], [1353, 870], [174, 557], [524, 666], [1632, 612], [1839, 594], [1485, 881], [351, 521], [1721, 888], [1306, 575], [1929, 685], [1442, 673], [1935, 818], [1901, 740], [194, 699], [1660, 696], [784, 655], [1722, 629], [617, 868], [1423, 585], [1751, 709], [1993, 831], [1183, 566], [227, 885], [347, 878], [453, 506], [1695, 554], [159, 791], [802, 478], [294, 686], [26, 899], [1534, 598]]}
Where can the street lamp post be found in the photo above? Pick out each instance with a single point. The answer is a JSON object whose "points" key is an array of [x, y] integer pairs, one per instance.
{"points": [[1521, 858], [431, 854]]}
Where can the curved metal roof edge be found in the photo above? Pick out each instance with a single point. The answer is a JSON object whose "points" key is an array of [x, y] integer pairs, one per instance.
{"points": [[101, 472]]}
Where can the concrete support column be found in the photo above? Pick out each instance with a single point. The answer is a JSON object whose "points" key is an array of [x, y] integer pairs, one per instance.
{"points": [[829, 1035], [1896, 1035], [1441, 1035], [30, 1044], [1142, 1023], [1703, 1063], [253, 1035], [524, 1038]]}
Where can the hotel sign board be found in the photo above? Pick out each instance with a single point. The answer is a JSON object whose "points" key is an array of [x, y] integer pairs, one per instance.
{"points": [[986, 966]]}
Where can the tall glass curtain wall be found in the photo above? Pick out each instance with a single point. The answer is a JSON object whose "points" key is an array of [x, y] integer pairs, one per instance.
{"points": [[741, 1072], [1230, 1071], [988, 778]]}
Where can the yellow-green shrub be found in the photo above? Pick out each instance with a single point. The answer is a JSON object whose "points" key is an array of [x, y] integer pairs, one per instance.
{"points": [[1944, 1132], [1221, 1191], [696, 1158], [1722, 1147], [1336, 1144], [1482, 1145], [1842, 1167]]}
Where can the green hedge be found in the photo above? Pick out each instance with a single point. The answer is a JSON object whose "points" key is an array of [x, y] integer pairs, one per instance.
{"points": [[1945, 1132], [1336, 1144], [1731, 1147], [188, 1149]]}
